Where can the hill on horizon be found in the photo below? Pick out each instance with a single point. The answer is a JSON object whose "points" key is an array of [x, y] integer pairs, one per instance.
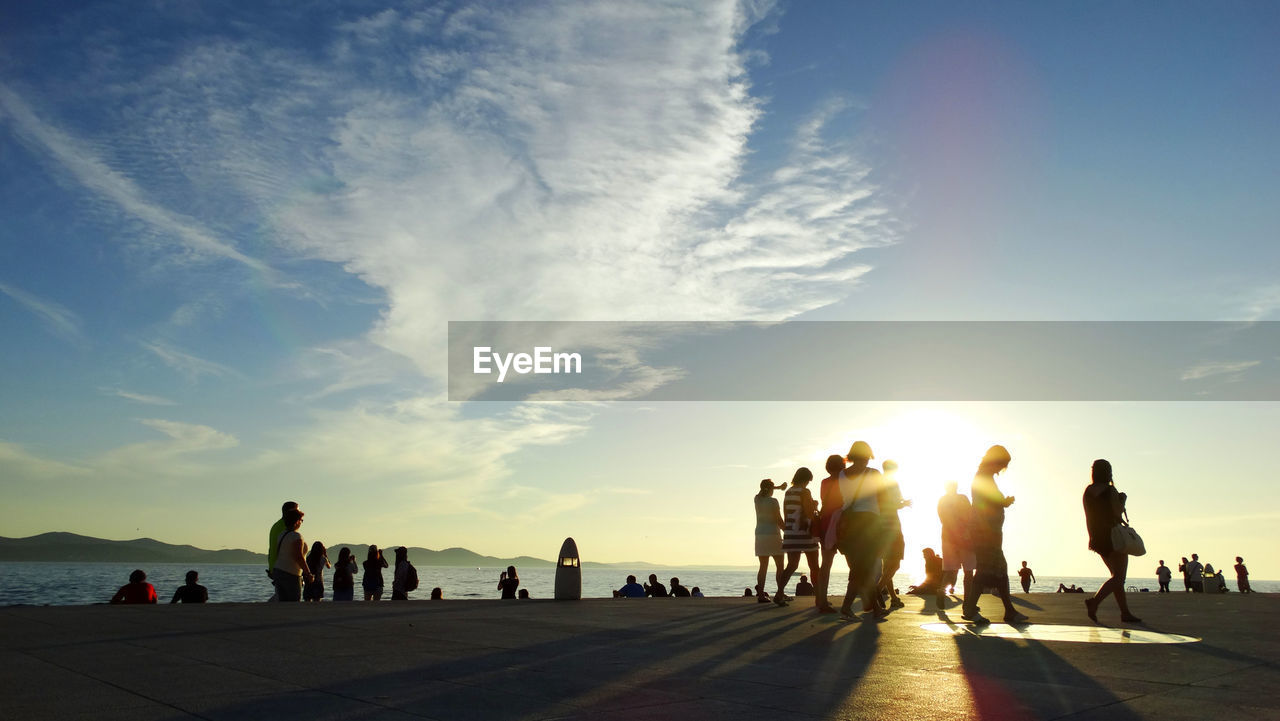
{"points": [[66, 547]]}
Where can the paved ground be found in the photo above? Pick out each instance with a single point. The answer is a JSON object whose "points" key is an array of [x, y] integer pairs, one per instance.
{"points": [[627, 659]]}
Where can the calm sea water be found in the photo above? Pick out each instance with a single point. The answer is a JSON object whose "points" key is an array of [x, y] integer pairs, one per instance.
{"points": [[62, 584]]}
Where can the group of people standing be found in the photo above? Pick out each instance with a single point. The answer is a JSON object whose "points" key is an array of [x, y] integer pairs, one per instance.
{"points": [[1201, 578], [299, 575], [858, 519]]}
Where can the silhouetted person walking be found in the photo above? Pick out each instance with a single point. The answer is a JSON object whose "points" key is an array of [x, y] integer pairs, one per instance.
{"points": [[860, 534], [956, 515], [987, 533], [895, 546], [799, 515], [1027, 577], [1186, 575], [1163, 576], [828, 530], [1103, 511]]}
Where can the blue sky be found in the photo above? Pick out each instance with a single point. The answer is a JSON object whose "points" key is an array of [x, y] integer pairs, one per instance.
{"points": [[233, 237]]}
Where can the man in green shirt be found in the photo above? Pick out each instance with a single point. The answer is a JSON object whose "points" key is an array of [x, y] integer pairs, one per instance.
{"points": [[273, 542]]}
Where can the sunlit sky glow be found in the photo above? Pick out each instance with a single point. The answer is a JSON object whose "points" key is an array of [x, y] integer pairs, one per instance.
{"points": [[232, 242]]}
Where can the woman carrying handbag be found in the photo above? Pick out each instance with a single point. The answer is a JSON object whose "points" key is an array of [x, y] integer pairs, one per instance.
{"points": [[1103, 513]]}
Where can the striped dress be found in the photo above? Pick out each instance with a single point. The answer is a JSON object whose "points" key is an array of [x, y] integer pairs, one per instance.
{"points": [[796, 537]]}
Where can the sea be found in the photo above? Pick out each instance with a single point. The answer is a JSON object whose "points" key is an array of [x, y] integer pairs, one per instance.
{"points": [[72, 584]]}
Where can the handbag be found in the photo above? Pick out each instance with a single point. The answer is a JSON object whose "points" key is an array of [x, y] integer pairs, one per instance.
{"points": [[1124, 538]]}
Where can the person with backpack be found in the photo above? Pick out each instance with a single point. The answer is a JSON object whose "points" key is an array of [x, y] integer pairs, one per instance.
{"points": [[406, 578]]}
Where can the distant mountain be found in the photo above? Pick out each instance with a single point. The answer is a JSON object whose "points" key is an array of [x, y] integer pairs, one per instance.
{"points": [[73, 548], [69, 547]]}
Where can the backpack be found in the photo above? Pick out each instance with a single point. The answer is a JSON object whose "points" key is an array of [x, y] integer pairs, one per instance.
{"points": [[410, 577]]}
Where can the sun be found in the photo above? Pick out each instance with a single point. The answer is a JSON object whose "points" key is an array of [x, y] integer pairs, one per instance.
{"points": [[931, 446]]}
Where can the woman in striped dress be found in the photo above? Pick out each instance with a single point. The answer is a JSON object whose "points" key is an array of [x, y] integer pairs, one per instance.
{"points": [[799, 512]]}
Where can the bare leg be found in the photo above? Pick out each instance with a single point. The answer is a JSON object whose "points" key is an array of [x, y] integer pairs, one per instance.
{"points": [[891, 566], [851, 589], [822, 579], [778, 598], [815, 566], [1118, 564], [764, 571], [1011, 614], [784, 574], [972, 592]]}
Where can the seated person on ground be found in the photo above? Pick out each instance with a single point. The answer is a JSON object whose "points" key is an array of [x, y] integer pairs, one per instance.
{"points": [[803, 587], [137, 590], [654, 587], [631, 590], [678, 591], [932, 583], [192, 592], [523, 594], [697, 592]]}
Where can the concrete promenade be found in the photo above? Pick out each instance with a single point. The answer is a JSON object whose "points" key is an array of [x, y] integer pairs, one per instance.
{"points": [[694, 659]]}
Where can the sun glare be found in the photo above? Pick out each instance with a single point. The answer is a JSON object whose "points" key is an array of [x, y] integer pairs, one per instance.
{"points": [[931, 446]]}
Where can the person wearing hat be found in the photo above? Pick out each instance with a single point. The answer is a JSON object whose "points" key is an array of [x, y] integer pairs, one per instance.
{"points": [[987, 535], [273, 541], [769, 527], [291, 560], [859, 538]]}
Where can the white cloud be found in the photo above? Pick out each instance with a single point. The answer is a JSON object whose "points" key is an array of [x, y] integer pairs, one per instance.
{"points": [[579, 162], [167, 457], [18, 464], [59, 320], [139, 397], [85, 166], [185, 363], [1206, 370], [522, 161]]}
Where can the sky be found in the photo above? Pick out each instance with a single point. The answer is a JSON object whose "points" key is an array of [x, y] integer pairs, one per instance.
{"points": [[233, 237]]}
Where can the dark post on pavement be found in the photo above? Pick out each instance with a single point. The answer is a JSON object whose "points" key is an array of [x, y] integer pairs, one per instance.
{"points": [[568, 573]]}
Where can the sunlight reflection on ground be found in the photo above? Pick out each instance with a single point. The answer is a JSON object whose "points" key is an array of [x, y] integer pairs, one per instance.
{"points": [[1053, 632]]}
